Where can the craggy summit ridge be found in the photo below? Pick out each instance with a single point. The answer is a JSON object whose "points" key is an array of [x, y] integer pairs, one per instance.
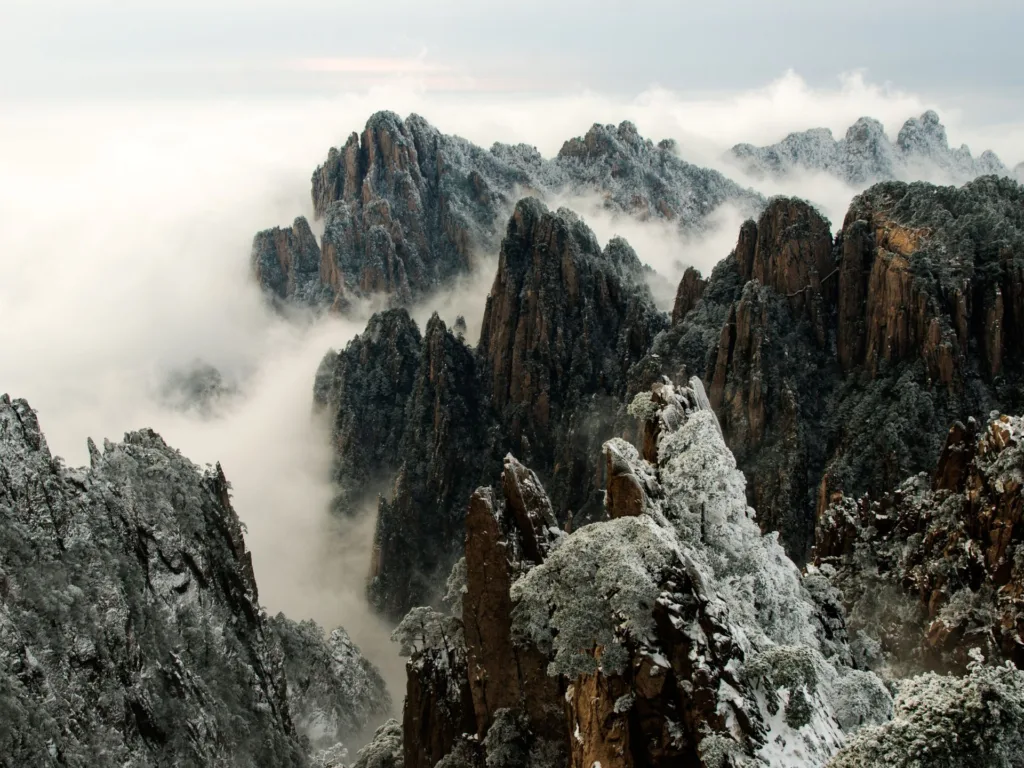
{"points": [[865, 155], [405, 207], [840, 365], [564, 322]]}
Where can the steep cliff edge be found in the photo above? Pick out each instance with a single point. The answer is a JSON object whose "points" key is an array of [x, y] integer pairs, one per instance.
{"points": [[563, 324], [130, 628]]}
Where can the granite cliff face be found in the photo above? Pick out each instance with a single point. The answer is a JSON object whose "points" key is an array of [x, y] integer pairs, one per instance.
{"points": [[671, 634], [564, 322], [130, 628], [865, 155], [405, 207], [936, 568], [840, 365]]}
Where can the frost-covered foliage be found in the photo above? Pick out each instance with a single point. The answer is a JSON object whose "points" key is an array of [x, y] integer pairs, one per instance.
{"points": [[465, 754], [642, 407], [335, 756], [860, 698], [948, 722], [929, 572], [595, 591], [455, 588], [130, 632], [334, 693], [385, 751], [792, 668], [717, 751], [866, 155], [591, 603], [508, 740], [705, 501], [425, 629]]}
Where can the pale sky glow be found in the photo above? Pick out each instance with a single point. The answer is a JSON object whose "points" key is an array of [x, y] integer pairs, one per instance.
{"points": [[130, 48]]}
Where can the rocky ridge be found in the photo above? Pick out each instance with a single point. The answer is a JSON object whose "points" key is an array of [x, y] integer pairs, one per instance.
{"points": [[563, 324], [130, 627], [865, 155], [673, 633], [406, 208], [840, 364]]}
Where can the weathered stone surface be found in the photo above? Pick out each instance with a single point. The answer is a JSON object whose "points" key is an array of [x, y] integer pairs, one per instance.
{"points": [[503, 539], [365, 390], [445, 448], [438, 707], [563, 324], [335, 696], [684, 673], [286, 263], [851, 384]]}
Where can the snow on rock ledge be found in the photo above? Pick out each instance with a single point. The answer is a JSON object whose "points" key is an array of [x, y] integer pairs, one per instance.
{"points": [[673, 633]]}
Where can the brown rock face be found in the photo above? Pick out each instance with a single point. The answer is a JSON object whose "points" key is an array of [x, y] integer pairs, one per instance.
{"points": [[794, 257], [563, 324], [287, 263], [659, 711], [951, 548], [625, 495], [549, 692], [906, 315], [503, 539], [438, 709], [691, 288]]}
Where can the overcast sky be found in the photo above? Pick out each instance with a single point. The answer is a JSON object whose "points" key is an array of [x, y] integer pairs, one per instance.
{"points": [[157, 48]]}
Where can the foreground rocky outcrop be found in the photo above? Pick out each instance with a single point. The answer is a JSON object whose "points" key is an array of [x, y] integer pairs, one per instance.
{"points": [[406, 208], [839, 365], [865, 155], [564, 322], [672, 634], [130, 627], [934, 571]]}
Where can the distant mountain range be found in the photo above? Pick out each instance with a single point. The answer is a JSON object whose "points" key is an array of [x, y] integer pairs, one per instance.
{"points": [[406, 207], [866, 155]]}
